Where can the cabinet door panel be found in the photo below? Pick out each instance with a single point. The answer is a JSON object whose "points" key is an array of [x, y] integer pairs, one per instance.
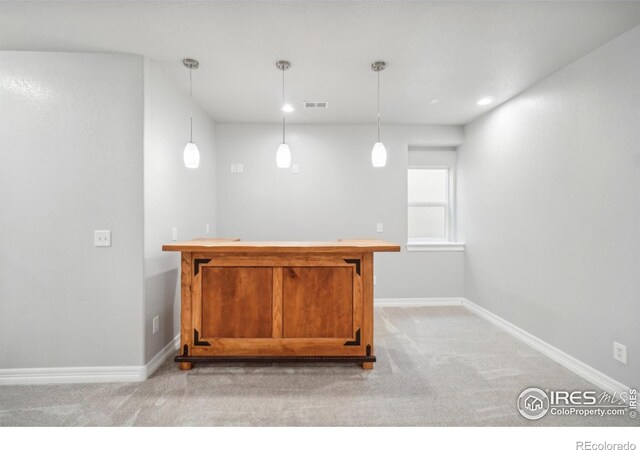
{"points": [[236, 302], [318, 302]]}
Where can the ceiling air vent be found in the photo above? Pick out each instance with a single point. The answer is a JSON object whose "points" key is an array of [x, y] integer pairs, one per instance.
{"points": [[316, 105]]}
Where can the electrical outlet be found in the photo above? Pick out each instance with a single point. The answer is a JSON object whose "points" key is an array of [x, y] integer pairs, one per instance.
{"points": [[102, 238], [156, 324], [374, 280], [295, 168], [240, 168], [379, 227], [233, 168], [174, 233], [620, 352], [206, 229]]}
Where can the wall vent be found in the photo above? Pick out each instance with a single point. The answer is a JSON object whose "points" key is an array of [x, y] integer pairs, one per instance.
{"points": [[315, 105]]}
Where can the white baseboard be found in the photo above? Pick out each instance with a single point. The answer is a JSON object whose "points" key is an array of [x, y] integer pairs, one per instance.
{"points": [[581, 369], [445, 301], [108, 374], [576, 366], [60, 375], [162, 356]]}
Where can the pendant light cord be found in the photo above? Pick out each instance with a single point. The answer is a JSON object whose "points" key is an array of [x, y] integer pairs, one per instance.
{"points": [[282, 109], [190, 105], [378, 106]]}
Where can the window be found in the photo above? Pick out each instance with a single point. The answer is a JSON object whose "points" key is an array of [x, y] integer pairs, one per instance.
{"points": [[431, 181], [429, 211]]}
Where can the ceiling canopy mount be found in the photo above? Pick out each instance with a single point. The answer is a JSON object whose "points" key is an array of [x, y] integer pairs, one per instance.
{"points": [[378, 66], [191, 63], [283, 65]]}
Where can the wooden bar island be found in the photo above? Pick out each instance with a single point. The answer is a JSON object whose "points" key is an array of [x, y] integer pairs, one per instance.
{"points": [[277, 301]]}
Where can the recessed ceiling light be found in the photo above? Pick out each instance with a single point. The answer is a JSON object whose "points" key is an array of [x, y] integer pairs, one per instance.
{"points": [[485, 101], [433, 101], [287, 107]]}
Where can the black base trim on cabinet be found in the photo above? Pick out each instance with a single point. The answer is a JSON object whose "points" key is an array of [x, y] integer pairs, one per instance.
{"points": [[274, 359]]}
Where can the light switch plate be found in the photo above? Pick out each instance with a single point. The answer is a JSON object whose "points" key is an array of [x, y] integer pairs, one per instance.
{"points": [[295, 168], [240, 168], [174, 233], [379, 227], [233, 168], [156, 324], [620, 352], [102, 238]]}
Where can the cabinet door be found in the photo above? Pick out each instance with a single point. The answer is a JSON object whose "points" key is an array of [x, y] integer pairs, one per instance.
{"points": [[318, 302], [236, 302]]}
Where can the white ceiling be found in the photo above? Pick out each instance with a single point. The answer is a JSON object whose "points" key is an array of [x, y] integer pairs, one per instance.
{"points": [[457, 52]]}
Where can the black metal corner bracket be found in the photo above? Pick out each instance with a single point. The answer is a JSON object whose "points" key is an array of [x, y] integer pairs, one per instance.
{"points": [[196, 265], [356, 342], [197, 341], [368, 349], [356, 262], [185, 350]]}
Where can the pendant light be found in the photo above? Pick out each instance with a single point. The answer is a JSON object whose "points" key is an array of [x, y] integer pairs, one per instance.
{"points": [[378, 153], [283, 154], [191, 154]]}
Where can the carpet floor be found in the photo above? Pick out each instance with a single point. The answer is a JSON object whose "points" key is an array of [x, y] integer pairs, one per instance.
{"points": [[437, 366]]}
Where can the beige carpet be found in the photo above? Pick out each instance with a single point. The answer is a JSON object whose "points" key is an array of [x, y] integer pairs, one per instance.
{"points": [[436, 366]]}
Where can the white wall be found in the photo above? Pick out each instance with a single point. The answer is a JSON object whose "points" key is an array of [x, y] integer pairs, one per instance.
{"points": [[173, 196], [70, 162], [337, 194], [549, 207]]}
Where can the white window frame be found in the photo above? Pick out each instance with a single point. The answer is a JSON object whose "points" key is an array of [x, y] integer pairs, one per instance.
{"points": [[447, 243]]}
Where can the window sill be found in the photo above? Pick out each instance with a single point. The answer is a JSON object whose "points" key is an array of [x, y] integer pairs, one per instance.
{"points": [[435, 246]]}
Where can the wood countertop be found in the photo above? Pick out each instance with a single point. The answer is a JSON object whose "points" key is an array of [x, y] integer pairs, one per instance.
{"points": [[220, 245]]}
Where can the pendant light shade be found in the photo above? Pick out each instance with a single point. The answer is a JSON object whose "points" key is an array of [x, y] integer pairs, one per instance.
{"points": [[379, 155], [283, 154], [379, 152], [191, 154]]}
